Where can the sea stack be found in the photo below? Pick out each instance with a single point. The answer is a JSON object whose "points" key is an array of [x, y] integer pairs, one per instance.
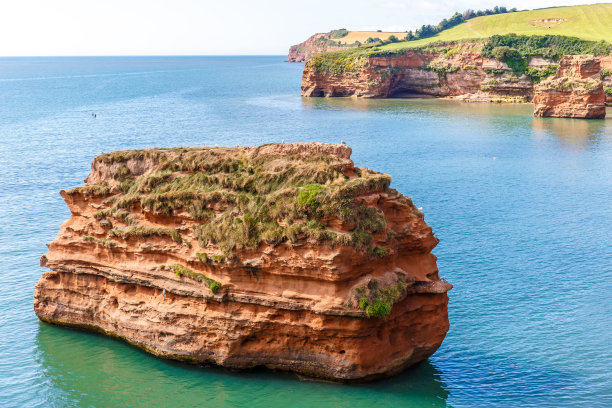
{"points": [[284, 255], [576, 91]]}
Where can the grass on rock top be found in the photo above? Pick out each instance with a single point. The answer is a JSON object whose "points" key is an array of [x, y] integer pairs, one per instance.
{"points": [[238, 199], [515, 50]]}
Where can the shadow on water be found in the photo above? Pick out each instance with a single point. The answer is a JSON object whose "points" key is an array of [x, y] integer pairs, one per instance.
{"points": [[88, 369], [416, 104], [574, 131], [571, 127]]}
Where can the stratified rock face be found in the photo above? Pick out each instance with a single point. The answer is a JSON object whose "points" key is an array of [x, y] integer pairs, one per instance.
{"points": [[285, 256], [464, 74], [576, 91]]}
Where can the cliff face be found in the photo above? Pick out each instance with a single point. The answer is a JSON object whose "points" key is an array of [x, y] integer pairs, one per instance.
{"points": [[285, 256], [464, 74], [576, 91], [461, 72]]}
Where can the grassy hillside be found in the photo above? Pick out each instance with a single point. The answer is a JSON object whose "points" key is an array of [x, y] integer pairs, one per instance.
{"points": [[362, 36], [591, 22]]}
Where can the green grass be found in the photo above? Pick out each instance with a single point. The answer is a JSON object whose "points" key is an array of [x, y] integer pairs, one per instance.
{"points": [[515, 50], [146, 232], [591, 22], [180, 270], [378, 301], [237, 199]]}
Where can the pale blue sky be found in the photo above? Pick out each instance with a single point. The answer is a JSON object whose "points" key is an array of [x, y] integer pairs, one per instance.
{"points": [[170, 27]]}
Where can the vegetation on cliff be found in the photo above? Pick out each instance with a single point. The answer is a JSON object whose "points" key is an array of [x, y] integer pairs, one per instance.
{"points": [[239, 199], [514, 50]]}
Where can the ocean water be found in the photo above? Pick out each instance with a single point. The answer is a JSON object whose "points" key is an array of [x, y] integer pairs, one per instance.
{"points": [[522, 207]]}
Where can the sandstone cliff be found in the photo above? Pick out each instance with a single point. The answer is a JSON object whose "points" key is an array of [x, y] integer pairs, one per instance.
{"points": [[463, 73], [285, 256], [458, 71], [576, 91]]}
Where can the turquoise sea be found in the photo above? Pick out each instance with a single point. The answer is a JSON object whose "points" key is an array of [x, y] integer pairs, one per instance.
{"points": [[522, 207]]}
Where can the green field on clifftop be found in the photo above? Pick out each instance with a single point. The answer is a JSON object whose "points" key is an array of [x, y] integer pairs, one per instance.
{"points": [[590, 22]]}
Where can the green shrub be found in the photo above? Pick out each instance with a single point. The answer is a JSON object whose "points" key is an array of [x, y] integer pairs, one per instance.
{"points": [[608, 91], [605, 72], [380, 308], [512, 57], [202, 257], [180, 270], [214, 287], [378, 252], [342, 32], [307, 197], [515, 50], [537, 75], [363, 303], [361, 238]]}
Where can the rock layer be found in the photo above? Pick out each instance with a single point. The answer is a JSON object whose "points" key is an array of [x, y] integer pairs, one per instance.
{"points": [[465, 74], [460, 72], [576, 91], [285, 256]]}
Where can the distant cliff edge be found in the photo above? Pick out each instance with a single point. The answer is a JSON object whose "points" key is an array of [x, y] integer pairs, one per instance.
{"points": [[336, 40]]}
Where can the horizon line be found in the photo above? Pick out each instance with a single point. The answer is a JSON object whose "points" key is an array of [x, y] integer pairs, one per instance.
{"points": [[142, 55]]}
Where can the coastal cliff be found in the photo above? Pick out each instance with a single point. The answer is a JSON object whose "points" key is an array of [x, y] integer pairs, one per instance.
{"points": [[285, 256], [499, 69], [463, 73], [336, 40], [576, 91]]}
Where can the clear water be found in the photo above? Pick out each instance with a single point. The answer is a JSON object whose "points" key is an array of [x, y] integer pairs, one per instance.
{"points": [[522, 207]]}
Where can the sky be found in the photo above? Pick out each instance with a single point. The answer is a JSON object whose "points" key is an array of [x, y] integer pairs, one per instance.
{"points": [[206, 27]]}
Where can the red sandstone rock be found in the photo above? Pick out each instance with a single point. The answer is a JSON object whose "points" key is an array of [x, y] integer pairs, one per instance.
{"points": [[464, 75], [576, 91], [285, 305]]}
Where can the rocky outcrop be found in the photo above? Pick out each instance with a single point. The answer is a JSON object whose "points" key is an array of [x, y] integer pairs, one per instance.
{"points": [[463, 74], [315, 45], [576, 91], [285, 256], [336, 40]]}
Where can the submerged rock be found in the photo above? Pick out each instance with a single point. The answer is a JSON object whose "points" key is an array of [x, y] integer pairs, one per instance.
{"points": [[576, 91], [285, 256]]}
